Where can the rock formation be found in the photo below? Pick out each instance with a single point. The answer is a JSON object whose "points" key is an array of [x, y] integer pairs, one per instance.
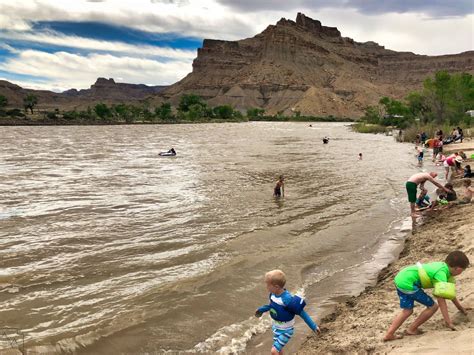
{"points": [[104, 90], [304, 66]]}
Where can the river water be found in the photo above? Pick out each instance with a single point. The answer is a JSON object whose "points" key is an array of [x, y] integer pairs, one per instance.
{"points": [[105, 247]]}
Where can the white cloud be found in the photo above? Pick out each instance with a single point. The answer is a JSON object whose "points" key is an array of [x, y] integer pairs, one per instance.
{"points": [[203, 19], [65, 70], [403, 32], [54, 38], [210, 19]]}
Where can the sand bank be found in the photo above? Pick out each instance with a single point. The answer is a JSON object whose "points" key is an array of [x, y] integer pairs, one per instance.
{"points": [[467, 146], [359, 325]]}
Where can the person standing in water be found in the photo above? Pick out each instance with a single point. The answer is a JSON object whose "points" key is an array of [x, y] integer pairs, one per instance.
{"points": [[279, 190], [419, 180]]}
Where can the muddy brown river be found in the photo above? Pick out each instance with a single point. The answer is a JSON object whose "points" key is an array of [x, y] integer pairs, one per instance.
{"points": [[107, 248]]}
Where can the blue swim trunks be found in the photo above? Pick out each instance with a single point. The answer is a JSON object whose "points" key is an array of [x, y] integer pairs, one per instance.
{"points": [[407, 300], [281, 337]]}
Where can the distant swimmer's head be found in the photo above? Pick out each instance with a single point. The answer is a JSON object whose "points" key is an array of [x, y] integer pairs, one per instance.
{"points": [[275, 281], [433, 174]]}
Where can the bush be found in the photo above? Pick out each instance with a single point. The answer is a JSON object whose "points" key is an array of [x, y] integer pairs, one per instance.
{"points": [[368, 128], [16, 112]]}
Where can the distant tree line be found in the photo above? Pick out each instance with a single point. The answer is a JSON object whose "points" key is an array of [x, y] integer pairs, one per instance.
{"points": [[191, 108], [445, 99]]}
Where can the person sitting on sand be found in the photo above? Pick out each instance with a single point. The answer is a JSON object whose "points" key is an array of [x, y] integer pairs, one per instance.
{"points": [[283, 307], [467, 172], [467, 192], [409, 289], [279, 189], [412, 185]]}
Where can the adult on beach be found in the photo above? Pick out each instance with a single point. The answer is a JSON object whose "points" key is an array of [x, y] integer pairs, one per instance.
{"points": [[412, 186], [453, 163]]}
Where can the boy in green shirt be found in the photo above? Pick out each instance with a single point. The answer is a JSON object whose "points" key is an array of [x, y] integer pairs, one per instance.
{"points": [[409, 290]]}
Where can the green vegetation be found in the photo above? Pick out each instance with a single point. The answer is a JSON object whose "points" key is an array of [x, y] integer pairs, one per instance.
{"points": [[362, 127], [190, 109], [444, 100], [29, 102]]}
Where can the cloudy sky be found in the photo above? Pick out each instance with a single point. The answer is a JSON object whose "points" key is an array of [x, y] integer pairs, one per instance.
{"points": [[58, 45]]}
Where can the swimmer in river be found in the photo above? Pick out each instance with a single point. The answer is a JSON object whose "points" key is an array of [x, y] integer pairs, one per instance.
{"points": [[279, 190], [325, 140], [360, 156]]}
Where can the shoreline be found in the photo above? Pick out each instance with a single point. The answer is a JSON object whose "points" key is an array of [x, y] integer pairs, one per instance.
{"points": [[359, 323]]}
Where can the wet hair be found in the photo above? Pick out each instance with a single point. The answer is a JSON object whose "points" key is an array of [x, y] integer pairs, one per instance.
{"points": [[466, 182], [449, 186], [457, 259], [276, 278]]}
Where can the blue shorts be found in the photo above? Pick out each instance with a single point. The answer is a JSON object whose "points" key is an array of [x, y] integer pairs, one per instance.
{"points": [[281, 337], [407, 300]]}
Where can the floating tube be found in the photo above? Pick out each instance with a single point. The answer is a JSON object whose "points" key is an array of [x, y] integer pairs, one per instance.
{"points": [[445, 290], [424, 278], [167, 154]]}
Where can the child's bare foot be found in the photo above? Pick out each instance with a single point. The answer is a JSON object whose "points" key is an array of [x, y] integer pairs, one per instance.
{"points": [[416, 332], [390, 337]]}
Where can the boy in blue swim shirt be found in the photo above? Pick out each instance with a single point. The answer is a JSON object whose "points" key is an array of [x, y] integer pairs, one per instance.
{"points": [[283, 307]]}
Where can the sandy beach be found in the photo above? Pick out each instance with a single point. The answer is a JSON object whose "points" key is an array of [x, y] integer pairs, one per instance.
{"points": [[358, 325]]}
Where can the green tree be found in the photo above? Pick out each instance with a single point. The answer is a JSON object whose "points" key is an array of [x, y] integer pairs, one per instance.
{"points": [[29, 102], [224, 112], [255, 112], [103, 111], [195, 111], [436, 92], [188, 100], [417, 106], [123, 112], [164, 112], [461, 96], [371, 115]]}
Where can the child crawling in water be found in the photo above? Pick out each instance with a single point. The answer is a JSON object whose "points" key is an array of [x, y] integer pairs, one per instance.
{"points": [[410, 282], [279, 189], [283, 307]]}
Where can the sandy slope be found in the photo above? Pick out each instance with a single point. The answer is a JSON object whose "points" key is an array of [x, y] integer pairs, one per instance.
{"points": [[358, 325]]}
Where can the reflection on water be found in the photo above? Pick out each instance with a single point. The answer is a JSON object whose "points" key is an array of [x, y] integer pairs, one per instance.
{"points": [[112, 247]]}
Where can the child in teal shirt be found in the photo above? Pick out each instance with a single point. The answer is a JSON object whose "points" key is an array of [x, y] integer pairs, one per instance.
{"points": [[409, 290]]}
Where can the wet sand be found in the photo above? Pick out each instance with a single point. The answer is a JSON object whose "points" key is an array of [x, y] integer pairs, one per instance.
{"points": [[358, 325]]}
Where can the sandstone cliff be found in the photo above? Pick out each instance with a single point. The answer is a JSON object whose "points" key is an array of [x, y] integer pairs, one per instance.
{"points": [[103, 90], [304, 66]]}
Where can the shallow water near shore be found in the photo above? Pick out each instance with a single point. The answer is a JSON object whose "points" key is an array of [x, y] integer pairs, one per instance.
{"points": [[109, 248]]}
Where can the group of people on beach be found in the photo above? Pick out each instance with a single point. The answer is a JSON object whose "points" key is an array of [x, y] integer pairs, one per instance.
{"points": [[411, 281]]}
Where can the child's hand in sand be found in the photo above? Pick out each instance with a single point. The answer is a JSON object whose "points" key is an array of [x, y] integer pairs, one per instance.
{"points": [[258, 314], [317, 330]]}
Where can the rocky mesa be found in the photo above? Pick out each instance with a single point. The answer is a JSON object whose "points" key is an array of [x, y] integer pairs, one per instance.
{"points": [[103, 90], [307, 67]]}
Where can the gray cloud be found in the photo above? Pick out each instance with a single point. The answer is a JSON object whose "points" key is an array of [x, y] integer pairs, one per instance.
{"points": [[432, 8]]}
